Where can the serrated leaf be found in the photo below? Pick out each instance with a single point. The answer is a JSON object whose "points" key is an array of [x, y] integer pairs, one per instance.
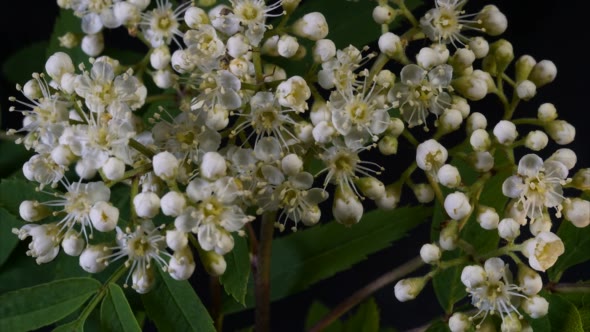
{"points": [[174, 306], [14, 191], [115, 313], [12, 157], [306, 257], [31, 308], [577, 249], [8, 241], [562, 316], [19, 67], [318, 311], [235, 278], [366, 318]]}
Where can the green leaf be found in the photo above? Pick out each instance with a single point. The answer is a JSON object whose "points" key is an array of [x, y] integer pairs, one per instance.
{"points": [[14, 191], [8, 241], [21, 271], [316, 312], [174, 306], [365, 319], [306, 257], [235, 278], [562, 316], [577, 249], [438, 326], [115, 312], [12, 158], [31, 308], [19, 67]]}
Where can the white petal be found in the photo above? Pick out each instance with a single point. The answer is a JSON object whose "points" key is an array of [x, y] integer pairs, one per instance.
{"points": [[530, 165], [412, 75], [513, 187]]}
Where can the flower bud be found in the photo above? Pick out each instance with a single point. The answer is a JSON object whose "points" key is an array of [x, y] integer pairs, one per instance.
{"points": [[543, 250], [73, 243], [165, 165], [388, 145], [503, 54], [126, 13], [536, 306], [213, 166], [85, 170], [176, 240], [391, 198], [311, 215], [539, 225], [323, 50], [181, 62], [423, 192], [430, 155], [493, 21], [543, 73], [479, 46], [146, 204], [408, 289], [457, 205], [294, 93], [529, 281], [384, 14], [58, 64], [508, 229], [462, 59], [577, 211], [237, 45], [449, 176], [290, 5], [291, 164], [536, 140], [195, 16], [347, 208], [505, 132], [471, 87], [396, 127], [565, 156], [213, 263], [459, 322], [173, 204], [104, 216], [526, 90], [561, 132], [449, 236], [32, 211], [93, 45], [487, 217], [476, 121], [480, 140], [428, 57], [312, 26], [93, 258], [523, 67], [160, 57], [142, 281], [114, 168], [287, 46], [430, 253], [511, 323], [581, 179], [164, 79], [390, 44], [68, 40], [450, 120], [182, 264], [547, 112], [323, 132]]}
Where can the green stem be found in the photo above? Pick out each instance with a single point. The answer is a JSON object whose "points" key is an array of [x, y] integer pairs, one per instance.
{"points": [[381, 61], [577, 288], [160, 97], [437, 191], [407, 135], [257, 65], [216, 312], [363, 293], [528, 121], [141, 148], [131, 173], [262, 282], [406, 12]]}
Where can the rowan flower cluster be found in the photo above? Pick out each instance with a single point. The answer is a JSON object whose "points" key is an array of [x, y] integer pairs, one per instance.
{"points": [[238, 138]]}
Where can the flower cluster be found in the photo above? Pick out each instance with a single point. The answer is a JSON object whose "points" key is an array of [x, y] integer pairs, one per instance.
{"points": [[206, 134]]}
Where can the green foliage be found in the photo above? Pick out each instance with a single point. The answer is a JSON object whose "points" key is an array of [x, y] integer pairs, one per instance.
{"points": [[31, 308], [235, 278], [562, 316], [14, 191], [577, 249], [174, 306], [306, 257], [18, 71], [316, 312], [66, 22], [366, 318], [8, 241], [115, 313], [12, 158]]}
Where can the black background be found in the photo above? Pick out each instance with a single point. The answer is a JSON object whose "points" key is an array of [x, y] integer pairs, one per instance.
{"points": [[545, 29]]}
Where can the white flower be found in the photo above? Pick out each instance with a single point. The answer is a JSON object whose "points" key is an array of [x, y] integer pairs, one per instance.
{"points": [[59, 64], [182, 264], [347, 208], [577, 211], [487, 218], [420, 92], [44, 244], [430, 253], [252, 15], [165, 165], [312, 26], [505, 132], [536, 306], [33, 211], [562, 132], [104, 216], [323, 50], [294, 93], [431, 155], [408, 289], [204, 47], [161, 25], [390, 44], [146, 204], [508, 229], [173, 203], [543, 250], [538, 185], [445, 23], [94, 258]]}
